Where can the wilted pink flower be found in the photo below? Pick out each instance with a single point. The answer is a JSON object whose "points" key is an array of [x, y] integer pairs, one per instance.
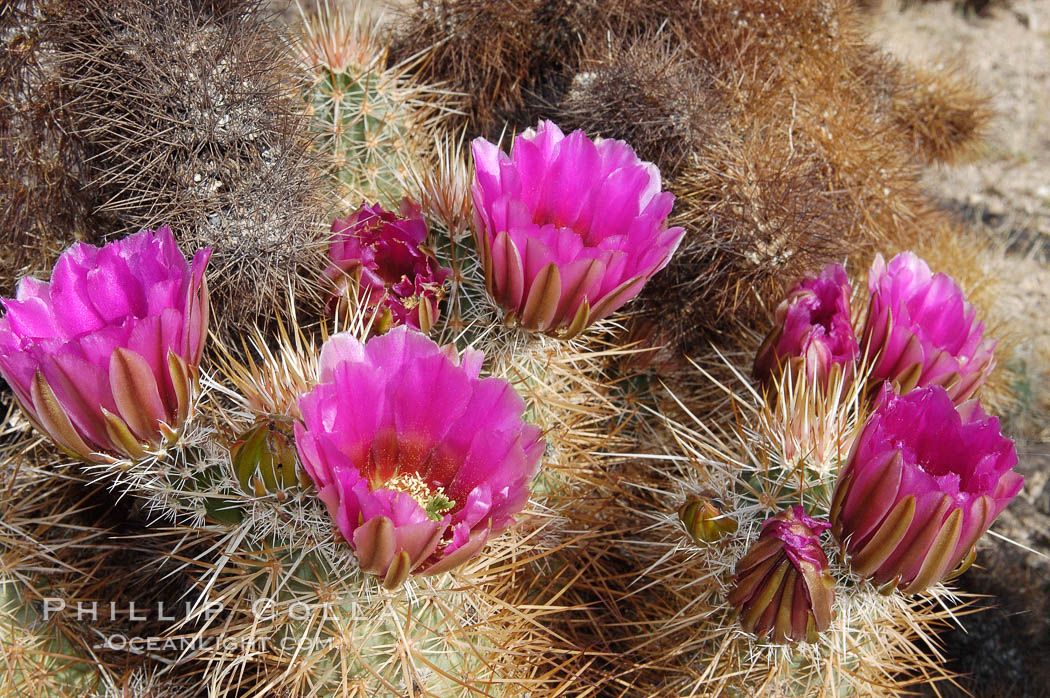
{"points": [[417, 458], [813, 330], [104, 357], [396, 275], [568, 229], [782, 587], [921, 331], [924, 480]]}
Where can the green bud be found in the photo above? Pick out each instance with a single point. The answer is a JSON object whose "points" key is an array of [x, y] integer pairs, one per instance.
{"points": [[264, 460], [704, 519]]}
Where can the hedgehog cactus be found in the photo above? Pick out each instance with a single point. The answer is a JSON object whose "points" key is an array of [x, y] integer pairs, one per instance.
{"points": [[456, 485], [369, 119], [760, 464], [806, 440], [231, 477], [234, 170], [311, 623], [41, 655], [327, 626]]}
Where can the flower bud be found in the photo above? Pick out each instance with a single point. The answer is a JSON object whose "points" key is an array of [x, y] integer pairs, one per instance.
{"points": [[703, 518], [264, 460], [782, 587]]}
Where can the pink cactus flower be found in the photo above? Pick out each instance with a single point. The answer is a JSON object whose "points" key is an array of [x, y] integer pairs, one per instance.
{"points": [[924, 480], [813, 330], [568, 229], [396, 275], [418, 460], [921, 331], [782, 587], [103, 358]]}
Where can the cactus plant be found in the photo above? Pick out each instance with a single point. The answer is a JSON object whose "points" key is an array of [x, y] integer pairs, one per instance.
{"points": [[370, 120], [233, 171], [759, 459]]}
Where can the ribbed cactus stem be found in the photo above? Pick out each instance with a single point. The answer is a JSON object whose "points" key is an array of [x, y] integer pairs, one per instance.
{"points": [[325, 623], [38, 657], [363, 123]]}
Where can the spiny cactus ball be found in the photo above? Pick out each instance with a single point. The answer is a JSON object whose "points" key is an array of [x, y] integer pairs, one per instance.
{"points": [[191, 118]]}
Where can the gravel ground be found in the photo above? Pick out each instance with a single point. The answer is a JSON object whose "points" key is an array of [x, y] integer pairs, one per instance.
{"points": [[1006, 189]]}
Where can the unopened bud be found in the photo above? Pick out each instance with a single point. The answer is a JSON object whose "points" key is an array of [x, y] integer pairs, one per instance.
{"points": [[704, 519]]}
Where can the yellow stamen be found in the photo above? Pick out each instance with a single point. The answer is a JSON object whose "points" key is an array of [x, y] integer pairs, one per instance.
{"points": [[433, 499]]}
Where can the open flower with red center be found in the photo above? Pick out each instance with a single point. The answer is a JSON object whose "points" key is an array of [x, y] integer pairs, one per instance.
{"points": [[568, 229], [924, 480], [921, 331], [418, 459], [103, 358], [782, 587], [813, 329], [395, 275]]}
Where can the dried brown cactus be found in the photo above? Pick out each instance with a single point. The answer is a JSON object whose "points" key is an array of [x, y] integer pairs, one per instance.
{"points": [[192, 118], [45, 203]]}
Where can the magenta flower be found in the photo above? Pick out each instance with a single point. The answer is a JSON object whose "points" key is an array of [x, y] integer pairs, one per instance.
{"points": [[924, 480], [568, 229], [782, 587], [921, 331], [104, 357], [418, 459], [813, 330], [396, 275]]}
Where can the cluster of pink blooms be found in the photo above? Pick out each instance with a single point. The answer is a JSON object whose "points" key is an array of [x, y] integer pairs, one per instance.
{"points": [[919, 331], [104, 358], [929, 471]]}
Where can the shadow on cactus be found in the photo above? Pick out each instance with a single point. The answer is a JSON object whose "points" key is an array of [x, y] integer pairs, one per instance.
{"points": [[65, 553]]}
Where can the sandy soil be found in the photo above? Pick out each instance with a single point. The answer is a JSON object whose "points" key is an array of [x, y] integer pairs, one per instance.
{"points": [[1007, 55]]}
